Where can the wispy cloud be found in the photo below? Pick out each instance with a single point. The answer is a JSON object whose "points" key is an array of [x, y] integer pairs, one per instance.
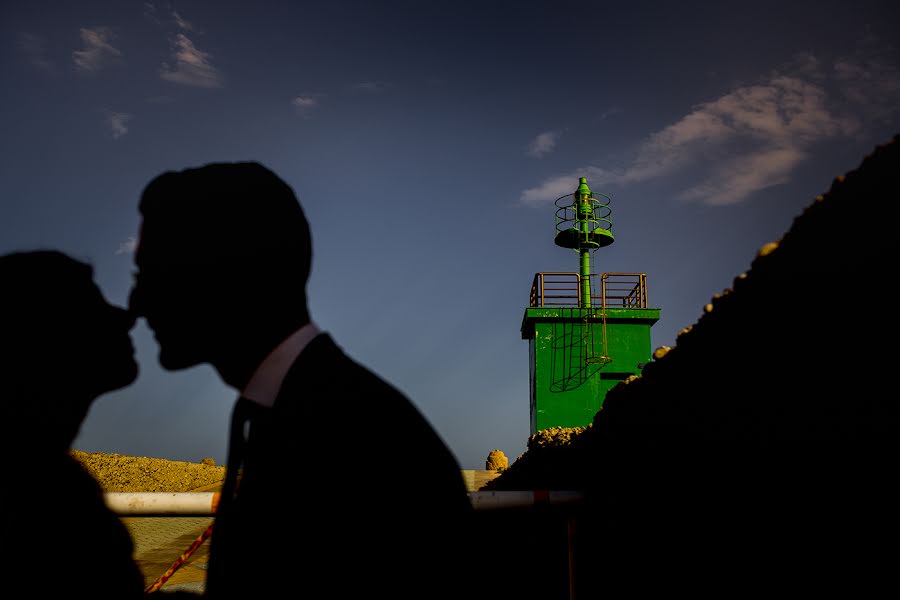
{"points": [[752, 137], [182, 24], [614, 110], [543, 144], [98, 50], [128, 246], [33, 47], [150, 12], [117, 122], [371, 87], [870, 83], [191, 65], [305, 104], [733, 180]]}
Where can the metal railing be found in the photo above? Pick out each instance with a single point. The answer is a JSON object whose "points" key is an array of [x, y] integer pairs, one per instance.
{"points": [[550, 516], [616, 290]]}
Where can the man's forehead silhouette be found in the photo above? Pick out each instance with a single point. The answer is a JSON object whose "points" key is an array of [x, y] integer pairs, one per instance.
{"points": [[220, 213]]}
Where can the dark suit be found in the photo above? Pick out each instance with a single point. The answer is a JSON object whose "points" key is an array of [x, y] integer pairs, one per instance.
{"points": [[346, 491]]}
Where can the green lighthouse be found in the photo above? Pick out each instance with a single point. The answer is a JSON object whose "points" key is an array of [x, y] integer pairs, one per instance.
{"points": [[586, 331]]}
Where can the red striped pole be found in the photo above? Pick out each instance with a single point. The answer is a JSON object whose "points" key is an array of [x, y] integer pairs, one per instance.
{"points": [[175, 565]]}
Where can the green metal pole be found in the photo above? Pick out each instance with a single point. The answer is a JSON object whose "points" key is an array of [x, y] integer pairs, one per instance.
{"points": [[585, 279], [585, 211]]}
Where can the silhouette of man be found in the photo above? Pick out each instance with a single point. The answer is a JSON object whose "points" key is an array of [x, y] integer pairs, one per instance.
{"points": [[62, 345], [338, 486]]}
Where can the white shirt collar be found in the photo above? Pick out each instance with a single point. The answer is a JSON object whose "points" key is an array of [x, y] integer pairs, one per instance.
{"points": [[266, 381]]}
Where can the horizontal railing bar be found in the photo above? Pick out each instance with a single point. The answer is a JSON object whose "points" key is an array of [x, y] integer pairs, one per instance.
{"points": [[162, 503], [169, 504]]}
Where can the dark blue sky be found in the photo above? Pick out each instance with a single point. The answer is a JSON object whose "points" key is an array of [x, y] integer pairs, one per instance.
{"points": [[427, 142]]}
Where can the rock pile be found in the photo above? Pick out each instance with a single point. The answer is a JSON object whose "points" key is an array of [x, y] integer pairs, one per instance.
{"points": [[120, 473], [496, 461]]}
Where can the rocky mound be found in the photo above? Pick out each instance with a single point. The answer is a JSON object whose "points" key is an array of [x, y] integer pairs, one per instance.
{"points": [[120, 473], [788, 362]]}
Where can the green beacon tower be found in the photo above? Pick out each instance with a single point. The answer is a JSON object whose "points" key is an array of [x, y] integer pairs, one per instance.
{"points": [[586, 331]]}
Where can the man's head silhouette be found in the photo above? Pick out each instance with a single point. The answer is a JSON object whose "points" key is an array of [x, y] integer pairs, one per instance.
{"points": [[223, 258]]}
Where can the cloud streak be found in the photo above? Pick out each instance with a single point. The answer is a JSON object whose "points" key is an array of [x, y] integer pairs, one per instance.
{"points": [[117, 123], [98, 52], [871, 84], [543, 144], [181, 23], [305, 104], [370, 87], [751, 138], [150, 12], [191, 65]]}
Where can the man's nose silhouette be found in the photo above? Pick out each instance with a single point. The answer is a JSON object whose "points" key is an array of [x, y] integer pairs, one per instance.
{"points": [[134, 301]]}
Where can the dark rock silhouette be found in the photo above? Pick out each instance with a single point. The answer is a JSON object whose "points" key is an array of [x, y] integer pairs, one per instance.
{"points": [[762, 448]]}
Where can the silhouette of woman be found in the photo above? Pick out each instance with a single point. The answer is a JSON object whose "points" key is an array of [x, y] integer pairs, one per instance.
{"points": [[61, 346]]}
